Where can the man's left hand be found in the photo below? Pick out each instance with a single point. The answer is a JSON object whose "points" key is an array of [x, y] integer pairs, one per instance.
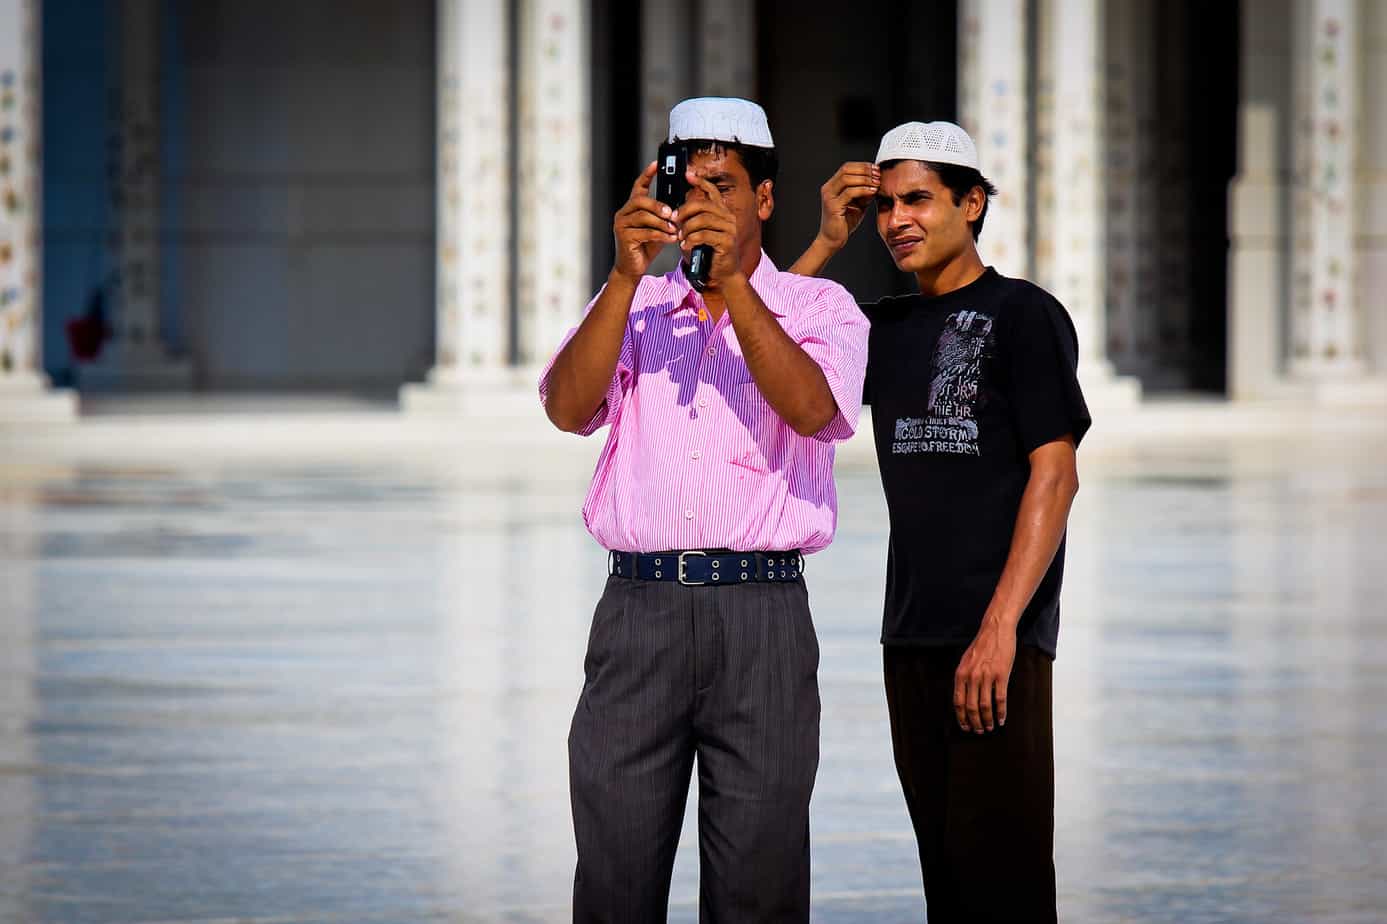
{"points": [[706, 219], [980, 683]]}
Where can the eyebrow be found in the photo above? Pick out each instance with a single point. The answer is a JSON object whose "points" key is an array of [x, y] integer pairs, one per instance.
{"points": [[904, 194], [716, 178]]}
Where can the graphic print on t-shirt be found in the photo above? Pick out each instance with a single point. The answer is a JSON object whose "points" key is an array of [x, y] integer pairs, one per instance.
{"points": [[950, 424]]}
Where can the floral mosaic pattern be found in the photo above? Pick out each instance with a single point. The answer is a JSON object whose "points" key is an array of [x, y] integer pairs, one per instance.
{"points": [[1327, 334], [19, 205], [474, 208], [993, 96], [555, 156]]}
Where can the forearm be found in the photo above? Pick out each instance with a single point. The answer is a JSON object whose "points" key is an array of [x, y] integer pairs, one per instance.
{"points": [[582, 372], [813, 260], [1040, 526], [789, 379]]}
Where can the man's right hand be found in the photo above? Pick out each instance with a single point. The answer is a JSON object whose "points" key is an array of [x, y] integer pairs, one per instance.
{"points": [[843, 200], [642, 228]]}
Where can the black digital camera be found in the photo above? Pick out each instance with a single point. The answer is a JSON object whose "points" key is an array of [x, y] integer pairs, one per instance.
{"points": [[671, 186]]}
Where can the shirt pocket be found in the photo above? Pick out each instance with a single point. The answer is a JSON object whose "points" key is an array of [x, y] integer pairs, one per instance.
{"points": [[751, 442]]}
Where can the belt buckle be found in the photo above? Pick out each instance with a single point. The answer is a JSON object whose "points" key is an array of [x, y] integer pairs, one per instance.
{"points": [[682, 580]]}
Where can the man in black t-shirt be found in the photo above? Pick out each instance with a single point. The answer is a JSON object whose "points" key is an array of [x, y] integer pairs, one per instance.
{"points": [[977, 413]]}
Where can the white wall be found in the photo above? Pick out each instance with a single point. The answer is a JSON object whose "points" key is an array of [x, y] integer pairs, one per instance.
{"points": [[306, 216]]}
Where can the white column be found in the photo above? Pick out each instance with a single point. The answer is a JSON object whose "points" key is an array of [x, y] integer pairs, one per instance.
{"points": [[24, 393], [136, 356], [555, 178], [1071, 237], [993, 101], [1371, 185], [1132, 203], [727, 48], [1326, 331], [1259, 255], [474, 224], [666, 68]]}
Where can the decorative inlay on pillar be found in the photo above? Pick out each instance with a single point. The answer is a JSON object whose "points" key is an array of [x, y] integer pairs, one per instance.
{"points": [[993, 100], [20, 222], [24, 395], [1327, 333], [1074, 203], [727, 49], [554, 173], [136, 191], [474, 204]]}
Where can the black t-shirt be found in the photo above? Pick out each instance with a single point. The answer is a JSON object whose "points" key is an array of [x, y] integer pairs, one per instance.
{"points": [[963, 386]]}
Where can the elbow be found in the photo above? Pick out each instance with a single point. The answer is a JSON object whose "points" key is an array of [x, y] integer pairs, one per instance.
{"points": [[1062, 483], [1065, 485], [559, 419], [813, 420]]}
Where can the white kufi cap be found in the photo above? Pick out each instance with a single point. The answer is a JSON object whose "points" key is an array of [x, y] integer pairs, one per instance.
{"points": [[940, 142], [720, 118]]}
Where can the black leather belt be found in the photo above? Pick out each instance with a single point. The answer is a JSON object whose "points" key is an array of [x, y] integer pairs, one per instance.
{"points": [[695, 567]]}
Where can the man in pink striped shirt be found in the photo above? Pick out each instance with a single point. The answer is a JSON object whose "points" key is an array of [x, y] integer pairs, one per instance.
{"points": [[716, 478]]}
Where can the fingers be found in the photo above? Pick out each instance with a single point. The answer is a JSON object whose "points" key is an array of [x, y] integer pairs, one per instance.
{"points": [[973, 689], [642, 185], [642, 218], [985, 685], [980, 699], [645, 204], [853, 176], [961, 699], [714, 194]]}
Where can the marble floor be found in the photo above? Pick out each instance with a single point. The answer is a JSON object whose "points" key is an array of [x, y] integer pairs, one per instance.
{"points": [[334, 686]]}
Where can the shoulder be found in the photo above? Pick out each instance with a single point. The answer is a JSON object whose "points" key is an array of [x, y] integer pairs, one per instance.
{"points": [[1025, 305], [655, 292], [889, 308], [801, 296], [1031, 317]]}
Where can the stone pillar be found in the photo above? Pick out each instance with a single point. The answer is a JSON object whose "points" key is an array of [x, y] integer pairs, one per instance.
{"points": [[1069, 243], [667, 76], [1327, 331], [1371, 184], [726, 64], [1259, 257], [136, 356], [555, 176], [994, 101], [475, 214], [24, 392], [666, 68], [1133, 194]]}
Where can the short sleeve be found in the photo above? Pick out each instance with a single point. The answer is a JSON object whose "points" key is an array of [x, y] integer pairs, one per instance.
{"points": [[868, 310], [622, 377], [1042, 352], [834, 334]]}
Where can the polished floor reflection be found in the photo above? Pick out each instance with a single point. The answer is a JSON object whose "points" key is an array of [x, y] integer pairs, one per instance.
{"points": [[323, 690]]}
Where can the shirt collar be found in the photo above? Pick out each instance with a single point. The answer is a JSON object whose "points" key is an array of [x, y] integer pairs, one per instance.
{"points": [[762, 279]]}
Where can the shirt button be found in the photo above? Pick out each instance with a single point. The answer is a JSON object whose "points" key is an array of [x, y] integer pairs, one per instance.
{"points": [[688, 514], [712, 351], [702, 402], [695, 454]]}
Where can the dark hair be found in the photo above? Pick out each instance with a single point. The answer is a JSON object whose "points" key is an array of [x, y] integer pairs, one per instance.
{"points": [[760, 163], [960, 181]]}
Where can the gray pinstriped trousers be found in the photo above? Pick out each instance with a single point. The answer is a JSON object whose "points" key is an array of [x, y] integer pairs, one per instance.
{"points": [[727, 675]]}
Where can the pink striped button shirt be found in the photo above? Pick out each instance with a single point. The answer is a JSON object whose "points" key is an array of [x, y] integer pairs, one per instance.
{"points": [[696, 458]]}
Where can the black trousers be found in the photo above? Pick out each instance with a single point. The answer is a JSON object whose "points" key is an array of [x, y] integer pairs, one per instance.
{"points": [[727, 676], [983, 806]]}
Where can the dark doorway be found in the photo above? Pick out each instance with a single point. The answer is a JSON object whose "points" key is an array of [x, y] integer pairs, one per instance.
{"points": [[832, 81]]}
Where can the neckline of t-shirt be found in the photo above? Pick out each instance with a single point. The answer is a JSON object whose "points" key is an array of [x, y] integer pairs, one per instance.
{"points": [[988, 275]]}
